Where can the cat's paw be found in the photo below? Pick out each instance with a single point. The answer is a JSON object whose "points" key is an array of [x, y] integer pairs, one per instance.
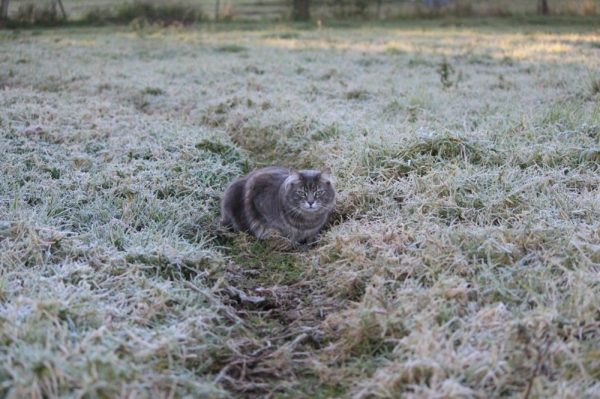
{"points": [[311, 242], [276, 241]]}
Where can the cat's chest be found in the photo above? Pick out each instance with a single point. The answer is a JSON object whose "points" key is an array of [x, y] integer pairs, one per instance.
{"points": [[301, 233]]}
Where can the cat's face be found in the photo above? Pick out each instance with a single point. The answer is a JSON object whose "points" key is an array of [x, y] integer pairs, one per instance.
{"points": [[310, 191]]}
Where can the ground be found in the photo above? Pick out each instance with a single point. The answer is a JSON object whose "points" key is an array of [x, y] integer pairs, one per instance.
{"points": [[462, 258]]}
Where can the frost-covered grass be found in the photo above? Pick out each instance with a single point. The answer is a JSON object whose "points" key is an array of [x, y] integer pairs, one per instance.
{"points": [[462, 259]]}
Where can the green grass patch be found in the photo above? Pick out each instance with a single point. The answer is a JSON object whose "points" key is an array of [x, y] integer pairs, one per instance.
{"points": [[231, 48]]}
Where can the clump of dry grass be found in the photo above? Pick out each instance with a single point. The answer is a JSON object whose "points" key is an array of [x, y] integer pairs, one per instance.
{"points": [[461, 259], [422, 153]]}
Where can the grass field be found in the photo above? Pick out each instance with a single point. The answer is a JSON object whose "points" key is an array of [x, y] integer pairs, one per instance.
{"points": [[462, 259]]}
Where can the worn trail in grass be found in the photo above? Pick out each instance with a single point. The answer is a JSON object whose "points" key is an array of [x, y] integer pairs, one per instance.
{"points": [[461, 259]]}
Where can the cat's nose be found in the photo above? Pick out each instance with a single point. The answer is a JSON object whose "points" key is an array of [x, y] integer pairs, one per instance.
{"points": [[310, 203]]}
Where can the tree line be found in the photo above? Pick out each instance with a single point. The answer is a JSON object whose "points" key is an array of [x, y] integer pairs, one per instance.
{"points": [[300, 8]]}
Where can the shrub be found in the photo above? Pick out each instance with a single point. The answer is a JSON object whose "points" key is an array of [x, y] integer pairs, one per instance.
{"points": [[42, 13], [350, 8], [164, 14]]}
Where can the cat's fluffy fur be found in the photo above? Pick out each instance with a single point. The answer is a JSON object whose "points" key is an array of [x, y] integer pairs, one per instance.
{"points": [[295, 204]]}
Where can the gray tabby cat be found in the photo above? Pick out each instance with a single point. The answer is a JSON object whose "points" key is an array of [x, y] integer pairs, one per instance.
{"points": [[296, 204]]}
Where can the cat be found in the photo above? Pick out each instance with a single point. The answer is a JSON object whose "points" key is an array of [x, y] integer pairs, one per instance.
{"points": [[294, 204]]}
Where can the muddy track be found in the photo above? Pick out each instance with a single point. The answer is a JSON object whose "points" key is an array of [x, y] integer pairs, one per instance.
{"points": [[282, 304]]}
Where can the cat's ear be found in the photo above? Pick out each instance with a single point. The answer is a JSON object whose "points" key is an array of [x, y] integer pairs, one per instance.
{"points": [[294, 177]]}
